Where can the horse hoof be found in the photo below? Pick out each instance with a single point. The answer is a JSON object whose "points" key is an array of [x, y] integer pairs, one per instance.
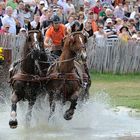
{"points": [[13, 123], [68, 115]]}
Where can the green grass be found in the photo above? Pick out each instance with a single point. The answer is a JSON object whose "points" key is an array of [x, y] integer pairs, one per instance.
{"points": [[124, 90]]}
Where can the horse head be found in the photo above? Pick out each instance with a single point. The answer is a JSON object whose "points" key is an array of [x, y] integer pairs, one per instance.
{"points": [[76, 41], [32, 51]]}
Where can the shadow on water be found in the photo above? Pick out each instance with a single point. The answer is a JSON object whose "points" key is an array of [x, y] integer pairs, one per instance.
{"points": [[94, 120]]}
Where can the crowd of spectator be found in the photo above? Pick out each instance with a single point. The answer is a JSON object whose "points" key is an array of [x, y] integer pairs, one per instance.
{"points": [[108, 19], [17, 15], [100, 18]]}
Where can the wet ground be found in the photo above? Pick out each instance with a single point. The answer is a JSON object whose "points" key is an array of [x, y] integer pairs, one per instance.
{"points": [[95, 120]]}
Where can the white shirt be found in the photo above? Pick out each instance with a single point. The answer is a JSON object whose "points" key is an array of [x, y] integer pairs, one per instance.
{"points": [[10, 20], [19, 15], [63, 4], [71, 8], [34, 24], [132, 16]]}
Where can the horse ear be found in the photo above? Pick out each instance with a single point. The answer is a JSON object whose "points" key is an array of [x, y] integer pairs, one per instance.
{"points": [[85, 39], [38, 26], [29, 26], [73, 28], [81, 27]]}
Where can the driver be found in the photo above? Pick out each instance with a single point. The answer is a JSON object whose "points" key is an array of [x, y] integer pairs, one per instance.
{"points": [[54, 36]]}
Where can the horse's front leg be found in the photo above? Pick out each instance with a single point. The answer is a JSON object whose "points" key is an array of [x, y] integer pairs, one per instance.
{"points": [[52, 104], [13, 121], [29, 112], [69, 113]]}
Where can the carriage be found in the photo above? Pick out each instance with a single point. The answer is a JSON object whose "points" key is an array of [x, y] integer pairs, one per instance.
{"points": [[64, 79]]}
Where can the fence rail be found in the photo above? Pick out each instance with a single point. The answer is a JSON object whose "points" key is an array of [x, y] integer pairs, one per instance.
{"points": [[115, 57]]}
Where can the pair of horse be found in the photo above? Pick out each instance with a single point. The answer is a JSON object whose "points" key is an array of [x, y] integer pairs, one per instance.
{"points": [[64, 79]]}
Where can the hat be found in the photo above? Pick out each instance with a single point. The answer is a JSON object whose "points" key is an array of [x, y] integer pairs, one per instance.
{"points": [[22, 29], [134, 36], [55, 19], [42, 2], [109, 20]]}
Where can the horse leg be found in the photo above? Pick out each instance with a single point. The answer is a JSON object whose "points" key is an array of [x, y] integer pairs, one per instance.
{"points": [[29, 112], [52, 105], [69, 113], [17, 95], [13, 121]]}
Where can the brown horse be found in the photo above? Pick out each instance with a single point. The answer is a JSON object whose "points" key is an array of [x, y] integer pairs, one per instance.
{"points": [[68, 79], [26, 80]]}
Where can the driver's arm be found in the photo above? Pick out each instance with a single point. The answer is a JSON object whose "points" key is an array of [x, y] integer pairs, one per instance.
{"points": [[46, 42]]}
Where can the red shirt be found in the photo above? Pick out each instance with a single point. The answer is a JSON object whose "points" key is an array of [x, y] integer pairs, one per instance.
{"points": [[96, 9], [2, 31]]}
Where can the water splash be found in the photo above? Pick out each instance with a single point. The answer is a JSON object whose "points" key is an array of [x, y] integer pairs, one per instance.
{"points": [[94, 119]]}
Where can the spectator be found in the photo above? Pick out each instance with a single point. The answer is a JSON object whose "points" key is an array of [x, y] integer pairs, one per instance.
{"points": [[131, 28], [97, 8], [71, 18], [27, 12], [61, 15], [54, 5], [134, 12], [124, 34], [23, 32], [126, 9], [109, 14], [94, 24], [102, 14], [81, 17], [70, 7], [18, 14], [62, 3], [118, 11], [5, 28], [39, 8], [137, 23], [36, 22], [1, 15], [44, 15], [109, 29], [9, 20], [88, 27], [100, 34], [119, 24], [12, 3], [45, 25]]}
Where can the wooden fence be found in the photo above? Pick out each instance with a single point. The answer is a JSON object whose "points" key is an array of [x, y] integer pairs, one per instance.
{"points": [[113, 56], [103, 55], [12, 46]]}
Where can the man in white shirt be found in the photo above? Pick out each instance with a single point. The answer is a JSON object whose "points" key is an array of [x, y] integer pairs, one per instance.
{"points": [[9, 20]]}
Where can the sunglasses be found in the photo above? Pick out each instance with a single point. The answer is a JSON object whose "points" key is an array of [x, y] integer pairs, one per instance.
{"points": [[89, 22], [101, 27]]}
